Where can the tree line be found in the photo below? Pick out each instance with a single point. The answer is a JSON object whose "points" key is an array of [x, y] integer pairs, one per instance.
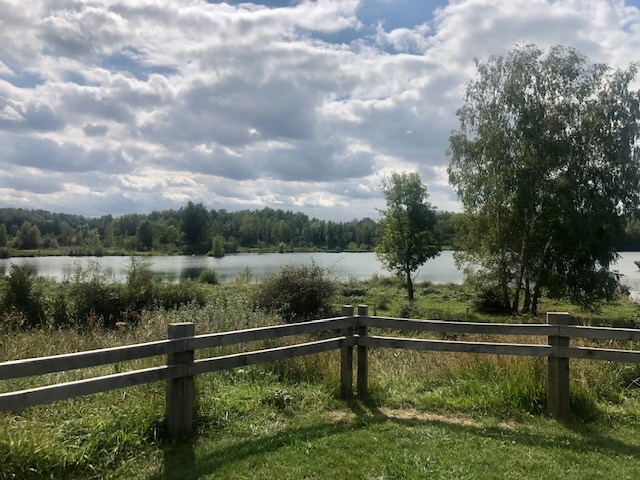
{"points": [[193, 229]]}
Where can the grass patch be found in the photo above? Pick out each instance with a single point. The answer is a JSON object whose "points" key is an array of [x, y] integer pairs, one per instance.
{"points": [[381, 443]]}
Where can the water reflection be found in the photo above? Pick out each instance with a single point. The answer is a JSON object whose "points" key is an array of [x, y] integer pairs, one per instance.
{"points": [[361, 266]]}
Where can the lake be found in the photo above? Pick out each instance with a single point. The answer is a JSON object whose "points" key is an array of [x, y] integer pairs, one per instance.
{"points": [[362, 266]]}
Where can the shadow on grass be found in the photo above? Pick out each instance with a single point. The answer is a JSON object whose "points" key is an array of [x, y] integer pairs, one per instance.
{"points": [[181, 462]]}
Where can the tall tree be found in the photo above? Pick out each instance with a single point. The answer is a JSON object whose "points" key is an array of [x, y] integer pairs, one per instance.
{"points": [[407, 240], [195, 220], [3, 235], [545, 162]]}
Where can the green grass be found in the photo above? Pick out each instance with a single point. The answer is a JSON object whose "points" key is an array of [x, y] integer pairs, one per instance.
{"points": [[364, 443], [430, 415]]}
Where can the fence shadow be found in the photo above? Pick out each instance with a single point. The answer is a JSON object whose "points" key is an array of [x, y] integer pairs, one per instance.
{"points": [[182, 461]]}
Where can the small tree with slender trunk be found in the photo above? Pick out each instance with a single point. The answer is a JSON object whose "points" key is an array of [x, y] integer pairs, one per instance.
{"points": [[408, 239]]}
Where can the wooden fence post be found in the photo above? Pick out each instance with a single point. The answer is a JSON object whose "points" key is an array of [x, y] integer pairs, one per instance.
{"points": [[181, 390], [558, 370], [363, 355], [346, 358]]}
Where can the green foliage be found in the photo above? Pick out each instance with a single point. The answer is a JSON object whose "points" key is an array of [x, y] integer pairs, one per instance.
{"points": [[217, 249], [297, 293], [245, 276], [407, 241], [3, 235], [192, 229], [28, 237], [175, 295], [195, 219], [488, 300], [144, 234], [545, 163], [209, 276], [24, 296], [95, 296], [140, 285]]}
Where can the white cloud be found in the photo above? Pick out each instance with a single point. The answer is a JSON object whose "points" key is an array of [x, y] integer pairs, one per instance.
{"points": [[145, 105]]}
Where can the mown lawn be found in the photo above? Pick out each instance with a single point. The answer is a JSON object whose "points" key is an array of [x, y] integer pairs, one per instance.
{"points": [[405, 444]]}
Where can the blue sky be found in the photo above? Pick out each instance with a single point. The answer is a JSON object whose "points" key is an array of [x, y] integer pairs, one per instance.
{"points": [[125, 106]]}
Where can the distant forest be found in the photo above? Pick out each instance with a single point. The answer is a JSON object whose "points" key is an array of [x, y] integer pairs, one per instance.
{"points": [[194, 229]]}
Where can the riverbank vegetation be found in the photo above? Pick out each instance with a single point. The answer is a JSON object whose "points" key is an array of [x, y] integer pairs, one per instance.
{"points": [[287, 417]]}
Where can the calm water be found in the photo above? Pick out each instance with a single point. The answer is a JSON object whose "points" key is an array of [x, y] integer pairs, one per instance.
{"points": [[363, 266], [174, 268]]}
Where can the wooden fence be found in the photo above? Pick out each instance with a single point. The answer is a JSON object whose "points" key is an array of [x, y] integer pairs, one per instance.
{"points": [[349, 331]]}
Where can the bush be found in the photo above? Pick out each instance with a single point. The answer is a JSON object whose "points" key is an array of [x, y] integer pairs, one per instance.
{"points": [[94, 294], [23, 295], [140, 285], [297, 293], [208, 275], [488, 300], [244, 277], [173, 295]]}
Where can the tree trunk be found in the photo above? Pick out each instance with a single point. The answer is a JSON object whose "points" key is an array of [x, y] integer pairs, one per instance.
{"points": [[409, 286], [503, 281], [516, 295], [526, 306], [505, 294], [534, 302]]}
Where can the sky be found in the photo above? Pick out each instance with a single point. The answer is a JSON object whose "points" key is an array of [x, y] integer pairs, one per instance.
{"points": [[131, 106]]}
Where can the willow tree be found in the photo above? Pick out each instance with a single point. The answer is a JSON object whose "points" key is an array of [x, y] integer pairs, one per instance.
{"points": [[546, 163], [407, 240]]}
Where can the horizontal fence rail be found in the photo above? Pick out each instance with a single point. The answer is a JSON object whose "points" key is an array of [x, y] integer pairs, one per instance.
{"points": [[455, 346], [349, 332], [441, 326], [94, 358]]}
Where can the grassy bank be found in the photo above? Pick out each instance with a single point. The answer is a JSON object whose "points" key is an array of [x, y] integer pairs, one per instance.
{"points": [[430, 414]]}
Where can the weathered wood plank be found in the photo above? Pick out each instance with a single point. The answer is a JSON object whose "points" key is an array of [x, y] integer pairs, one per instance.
{"points": [[363, 353], [180, 396], [624, 356], [277, 331], [457, 327], [71, 361], [600, 333], [63, 391], [455, 346], [265, 356], [558, 399], [346, 357]]}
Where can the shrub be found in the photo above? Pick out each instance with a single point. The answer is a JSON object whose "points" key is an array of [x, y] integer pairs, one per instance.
{"points": [[488, 300], [245, 276], [173, 295], [297, 293], [140, 285], [94, 294], [208, 275], [23, 295]]}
